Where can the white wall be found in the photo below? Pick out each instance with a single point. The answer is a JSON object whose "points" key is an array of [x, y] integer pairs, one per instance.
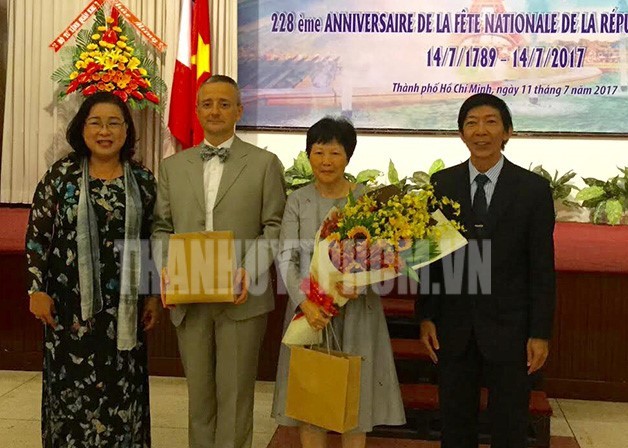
{"points": [[586, 156]]}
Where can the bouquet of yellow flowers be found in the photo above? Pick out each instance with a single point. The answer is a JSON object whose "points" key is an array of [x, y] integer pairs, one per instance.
{"points": [[108, 58], [377, 237]]}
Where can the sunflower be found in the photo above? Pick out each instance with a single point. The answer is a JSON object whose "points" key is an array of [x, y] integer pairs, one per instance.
{"points": [[359, 233], [403, 244]]}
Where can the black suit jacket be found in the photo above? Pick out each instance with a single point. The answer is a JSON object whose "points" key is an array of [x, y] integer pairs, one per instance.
{"points": [[507, 294]]}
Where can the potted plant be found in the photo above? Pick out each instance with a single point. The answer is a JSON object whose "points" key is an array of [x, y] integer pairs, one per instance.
{"points": [[607, 200], [565, 208], [300, 174]]}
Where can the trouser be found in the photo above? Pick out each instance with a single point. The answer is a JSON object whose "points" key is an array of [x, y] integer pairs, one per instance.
{"points": [[220, 357], [459, 394]]}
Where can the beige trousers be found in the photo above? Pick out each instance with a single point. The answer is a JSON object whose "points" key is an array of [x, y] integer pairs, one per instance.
{"points": [[220, 357]]}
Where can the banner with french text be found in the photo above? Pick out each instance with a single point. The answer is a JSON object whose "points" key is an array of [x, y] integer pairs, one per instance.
{"points": [[403, 65]]}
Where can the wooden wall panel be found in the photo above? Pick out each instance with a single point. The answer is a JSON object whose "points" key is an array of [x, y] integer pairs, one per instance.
{"points": [[20, 333], [589, 349], [269, 353], [588, 357], [4, 47], [163, 352]]}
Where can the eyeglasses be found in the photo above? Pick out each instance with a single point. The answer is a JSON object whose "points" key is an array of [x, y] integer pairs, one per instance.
{"points": [[97, 125]]}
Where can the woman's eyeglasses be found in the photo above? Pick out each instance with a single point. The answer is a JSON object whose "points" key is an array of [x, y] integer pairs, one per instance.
{"points": [[97, 125]]}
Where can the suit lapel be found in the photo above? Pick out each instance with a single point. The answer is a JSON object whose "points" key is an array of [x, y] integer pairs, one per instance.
{"points": [[460, 191], [194, 171], [464, 192], [502, 197], [234, 165]]}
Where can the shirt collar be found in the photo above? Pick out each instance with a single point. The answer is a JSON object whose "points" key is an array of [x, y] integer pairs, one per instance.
{"points": [[492, 173], [226, 144]]}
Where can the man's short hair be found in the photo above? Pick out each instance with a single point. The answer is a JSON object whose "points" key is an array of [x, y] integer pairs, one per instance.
{"points": [[485, 99], [222, 78]]}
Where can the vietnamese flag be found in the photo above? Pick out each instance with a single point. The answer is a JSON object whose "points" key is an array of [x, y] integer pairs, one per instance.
{"points": [[192, 68]]}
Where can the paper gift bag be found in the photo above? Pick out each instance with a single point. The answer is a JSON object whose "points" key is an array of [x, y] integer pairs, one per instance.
{"points": [[201, 267], [324, 388]]}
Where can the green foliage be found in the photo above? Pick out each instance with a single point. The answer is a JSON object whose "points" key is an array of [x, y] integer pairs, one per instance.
{"points": [[100, 18], [83, 39], [590, 194], [367, 176], [560, 185], [608, 199], [437, 165], [418, 180], [300, 174], [393, 175], [422, 251], [61, 74], [421, 179]]}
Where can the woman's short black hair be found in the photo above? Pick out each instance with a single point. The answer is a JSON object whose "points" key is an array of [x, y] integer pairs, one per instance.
{"points": [[74, 133], [329, 129], [485, 99]]}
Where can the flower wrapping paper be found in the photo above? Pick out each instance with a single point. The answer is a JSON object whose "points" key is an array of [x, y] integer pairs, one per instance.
{"points": [[327, 275]]}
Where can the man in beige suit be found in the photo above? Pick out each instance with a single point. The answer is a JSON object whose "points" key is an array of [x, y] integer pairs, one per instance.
{"points": [[239, 189]]}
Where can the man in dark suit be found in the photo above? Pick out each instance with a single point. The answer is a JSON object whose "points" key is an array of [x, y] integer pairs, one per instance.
{"points": [[223, 184], [489, 309]]}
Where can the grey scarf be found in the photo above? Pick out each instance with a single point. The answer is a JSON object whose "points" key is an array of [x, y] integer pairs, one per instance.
{"points": [[89, 257]]}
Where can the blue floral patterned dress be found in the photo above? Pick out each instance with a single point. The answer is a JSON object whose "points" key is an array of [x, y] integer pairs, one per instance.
{"points": [[93, 394]]}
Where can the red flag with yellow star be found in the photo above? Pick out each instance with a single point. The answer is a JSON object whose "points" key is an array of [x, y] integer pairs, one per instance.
{"points": [[192, 68]]}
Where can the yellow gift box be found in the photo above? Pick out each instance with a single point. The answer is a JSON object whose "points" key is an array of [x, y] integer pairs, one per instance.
{"points": [[201, 267]]}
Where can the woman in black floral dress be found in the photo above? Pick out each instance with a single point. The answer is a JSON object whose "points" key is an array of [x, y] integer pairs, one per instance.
{"points": [[84, 283]]}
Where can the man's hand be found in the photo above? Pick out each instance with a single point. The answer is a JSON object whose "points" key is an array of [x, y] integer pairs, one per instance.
{"points": [[165, 281], [43, 308], [152, 312], [429, 339], [350, 292], [316, 316], [538, 350], [241, 286]]}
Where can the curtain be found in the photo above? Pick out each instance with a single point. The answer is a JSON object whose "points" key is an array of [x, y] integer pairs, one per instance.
{"points": [[224, 34], [34, 122]]}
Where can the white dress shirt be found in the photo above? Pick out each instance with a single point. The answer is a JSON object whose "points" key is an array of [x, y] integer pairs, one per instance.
{"points": [[212, 173], [492, 174]]}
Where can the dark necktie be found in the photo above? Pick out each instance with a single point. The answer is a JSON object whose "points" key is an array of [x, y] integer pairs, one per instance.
{"points": [[207, 152], [480, 207]]}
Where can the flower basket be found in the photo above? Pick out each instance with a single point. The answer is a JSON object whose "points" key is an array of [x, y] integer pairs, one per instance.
{"points": [[109, 57]]}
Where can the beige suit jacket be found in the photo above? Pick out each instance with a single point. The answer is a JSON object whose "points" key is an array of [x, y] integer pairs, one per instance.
{"points": [[250, 202]]}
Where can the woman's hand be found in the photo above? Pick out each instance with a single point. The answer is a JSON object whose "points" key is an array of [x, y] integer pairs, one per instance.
{"points": [[350, 292], [316, 316], [152, 312], [43, 308]]}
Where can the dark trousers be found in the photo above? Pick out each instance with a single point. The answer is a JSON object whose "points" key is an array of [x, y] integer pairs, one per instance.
{"points": [[460, 379]]}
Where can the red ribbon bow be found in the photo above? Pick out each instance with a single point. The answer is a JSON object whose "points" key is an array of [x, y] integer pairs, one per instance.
{"points": [[316, 294]]}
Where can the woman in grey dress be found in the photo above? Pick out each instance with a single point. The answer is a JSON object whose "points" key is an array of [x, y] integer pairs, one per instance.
{"points": [[360, 326]]}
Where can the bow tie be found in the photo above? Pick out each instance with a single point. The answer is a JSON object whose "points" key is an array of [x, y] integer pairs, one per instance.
{"points": [[207, 152]]}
